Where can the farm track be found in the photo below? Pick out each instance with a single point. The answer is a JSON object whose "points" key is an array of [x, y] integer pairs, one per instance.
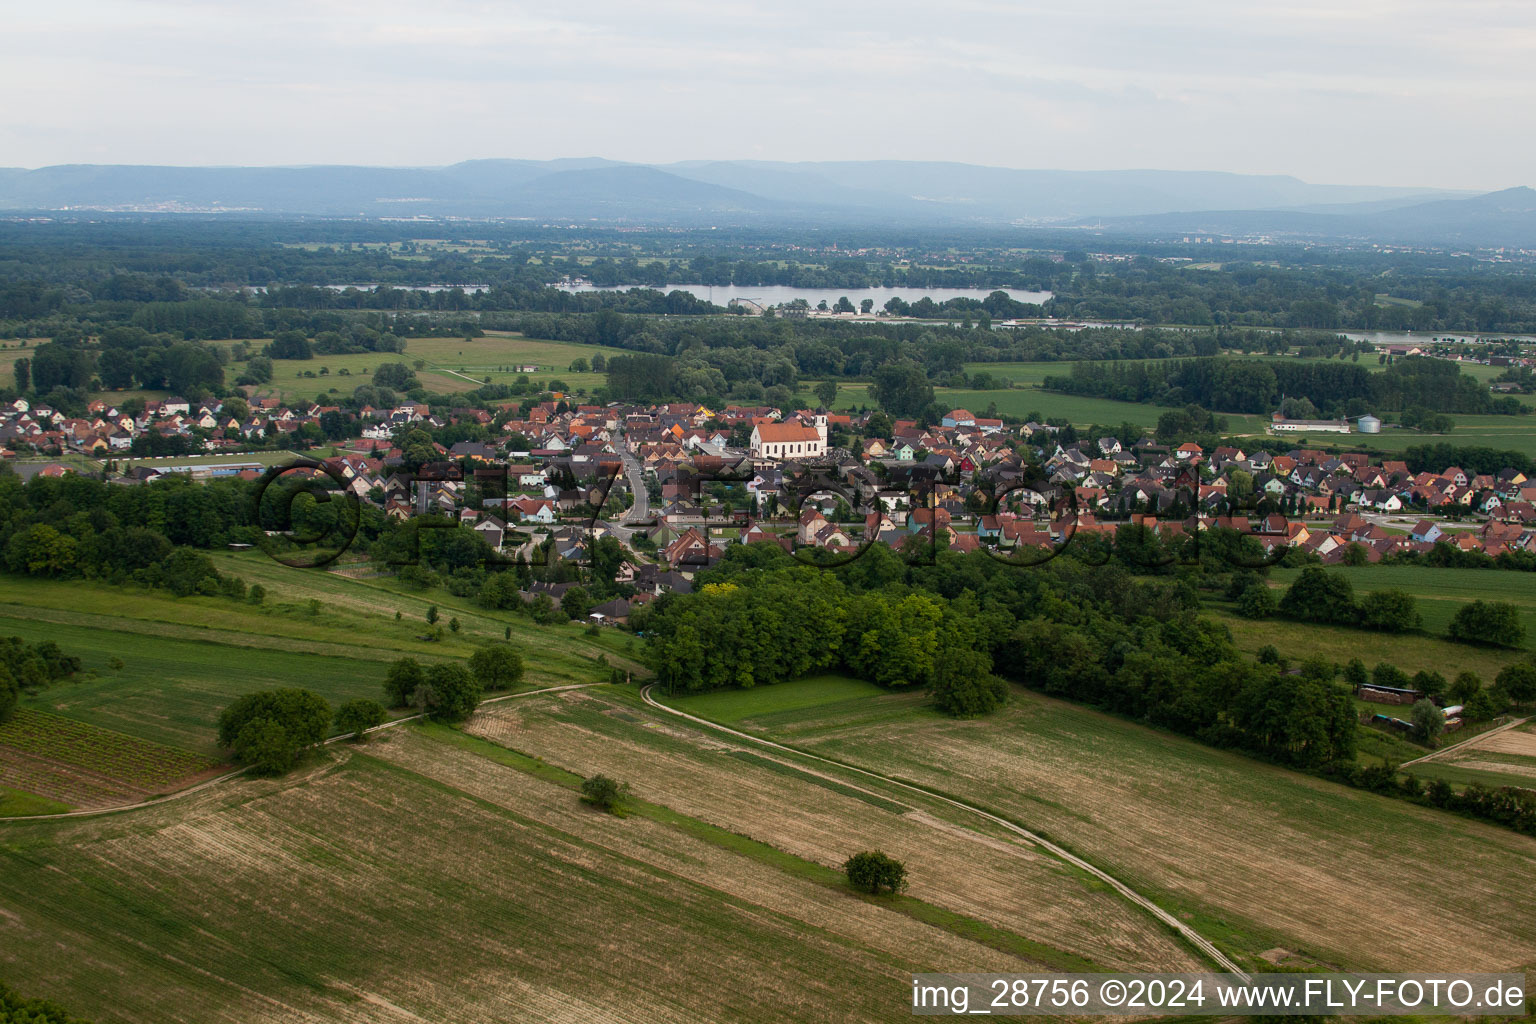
{"points": [[161, 801], [1194, 938], [1435, 755]]}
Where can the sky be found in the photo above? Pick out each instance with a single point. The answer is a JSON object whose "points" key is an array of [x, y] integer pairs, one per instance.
{"points": [[1389, 92]]}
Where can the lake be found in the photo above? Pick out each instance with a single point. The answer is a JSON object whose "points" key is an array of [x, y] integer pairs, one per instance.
{"points": [[778, 295]]}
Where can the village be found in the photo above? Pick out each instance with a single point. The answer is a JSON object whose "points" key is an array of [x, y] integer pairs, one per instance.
{"points": [[676, 482]]}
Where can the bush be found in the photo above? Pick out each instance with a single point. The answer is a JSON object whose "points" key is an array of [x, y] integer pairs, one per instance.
{"points": [[604, 793], [1391, 611], [1487, 622], [874, 872], [1257, 602], [356, 717], [268, 729]]}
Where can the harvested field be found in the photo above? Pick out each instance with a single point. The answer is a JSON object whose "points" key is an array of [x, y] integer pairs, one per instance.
{"points": [[1498, 766], [1250, 852], [371, 892], [1503, 758], [962, 864], [1511, 741]]}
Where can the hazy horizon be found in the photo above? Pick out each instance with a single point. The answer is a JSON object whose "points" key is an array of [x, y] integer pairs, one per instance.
{"points": [[1379, 93], [1128, 169]]}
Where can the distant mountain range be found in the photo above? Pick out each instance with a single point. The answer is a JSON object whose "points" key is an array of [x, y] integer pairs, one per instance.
{"points": [[748, 192]]}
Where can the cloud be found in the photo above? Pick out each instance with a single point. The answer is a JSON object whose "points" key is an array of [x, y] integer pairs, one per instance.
{"points": [[1326, 90]]}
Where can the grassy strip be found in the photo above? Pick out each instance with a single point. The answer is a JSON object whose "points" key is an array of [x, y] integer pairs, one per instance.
{"points": [[1233, 937], [15, 803], [790, 771], [799, 867]]}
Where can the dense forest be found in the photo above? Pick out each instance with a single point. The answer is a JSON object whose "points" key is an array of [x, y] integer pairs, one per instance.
{"points": [[1250, 386], [1101, 635]]}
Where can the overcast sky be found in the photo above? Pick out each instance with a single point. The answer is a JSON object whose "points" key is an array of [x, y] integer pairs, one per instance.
{"points": [[1398, 92]]}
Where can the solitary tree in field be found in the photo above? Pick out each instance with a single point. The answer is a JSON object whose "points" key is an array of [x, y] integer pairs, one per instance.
{"points": [[826, 393], [432, 615], [1487, 622], [874, 872], [1517, 682], [497, 666], [604, 793], [1392, 611]]}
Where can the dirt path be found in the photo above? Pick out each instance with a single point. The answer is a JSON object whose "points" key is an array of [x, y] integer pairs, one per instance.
{"points": [[1193, 937], [1469, 741], [163, 800]]}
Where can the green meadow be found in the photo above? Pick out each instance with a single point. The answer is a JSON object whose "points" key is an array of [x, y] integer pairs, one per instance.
{"points": [[185, 659], [1441, 592]]}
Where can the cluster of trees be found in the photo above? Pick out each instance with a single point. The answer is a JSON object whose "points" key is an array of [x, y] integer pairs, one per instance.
{"points": [[16, 1010], [1328, 598], [61, 373], [27, 668], [74, 526], [448, 691], [269, 730], [1186, 676], [1417, 387], [1495, 623], [1103, 636], [792, 621], [1475, 459]]}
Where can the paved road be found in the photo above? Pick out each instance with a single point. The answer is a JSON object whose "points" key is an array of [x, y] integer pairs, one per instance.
{"points": [[1396, 521], [634, 473], [1194, 938]]}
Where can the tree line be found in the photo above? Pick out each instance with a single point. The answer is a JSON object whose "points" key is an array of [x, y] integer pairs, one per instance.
{"points": [[1249, 386]]}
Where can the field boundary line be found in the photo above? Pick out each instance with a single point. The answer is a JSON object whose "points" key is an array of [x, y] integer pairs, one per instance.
{"points": [[456, 373], [160, 801], [1193, 937], [1433, 754]]}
